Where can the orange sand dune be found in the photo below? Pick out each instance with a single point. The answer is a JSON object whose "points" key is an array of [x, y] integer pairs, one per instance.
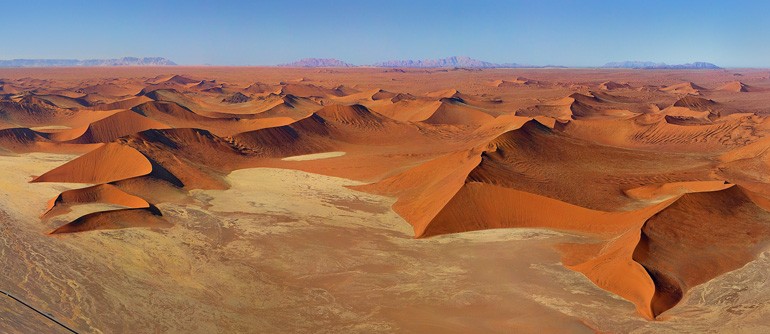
{"points": [[236, 98], [380, 94], [659, 132], [677, 244], [18, 139], [178, 116], [110, 89], [581, 106], [609, 265], [289, 106], [370, 98], [25, 140], [518, 82], [65, 102], [454, 112], [331, 126], [114, 219], [324, 130], [558, 109], [173, 95], [110, 162], [177, 79], [182, 157], [747, 166], [297, 138], [113, 127], [612, 85], [102, 193], [30, 111], [210, 86], [736, 87], [480, 206], [259, 88], [590, 106], [424, 190], [127, 103], [683, 88], [4, 125], [354, 115], [505, 123], [8, 89], [696, 103], [443, 94], [409, 110], [309, 90], [657, 192], [530, 159]]}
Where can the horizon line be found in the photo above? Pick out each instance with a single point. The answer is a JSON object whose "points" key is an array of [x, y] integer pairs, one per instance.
{"points": [[376, 64]]}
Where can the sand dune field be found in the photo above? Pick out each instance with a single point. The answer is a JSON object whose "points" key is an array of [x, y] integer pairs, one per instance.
{"points": [[366, 200]]}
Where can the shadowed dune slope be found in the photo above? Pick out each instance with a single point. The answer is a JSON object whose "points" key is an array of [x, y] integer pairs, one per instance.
{"points": [[20, 139], [677, 244], [183, 157], [301, 137]]}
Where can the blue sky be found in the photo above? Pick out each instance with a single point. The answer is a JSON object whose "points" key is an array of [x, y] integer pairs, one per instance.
{"points": [[571, 33]]}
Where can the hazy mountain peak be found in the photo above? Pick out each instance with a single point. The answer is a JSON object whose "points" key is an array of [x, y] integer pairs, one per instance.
{"points": [[653, 65], [454, 61], [125, 61], [317, 62]]}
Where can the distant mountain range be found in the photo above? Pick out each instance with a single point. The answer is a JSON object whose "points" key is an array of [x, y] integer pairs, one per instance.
{"points": [[662, 66], [456, 61], [467, 62], [125, 61], [449, 62], [317, 62]]}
